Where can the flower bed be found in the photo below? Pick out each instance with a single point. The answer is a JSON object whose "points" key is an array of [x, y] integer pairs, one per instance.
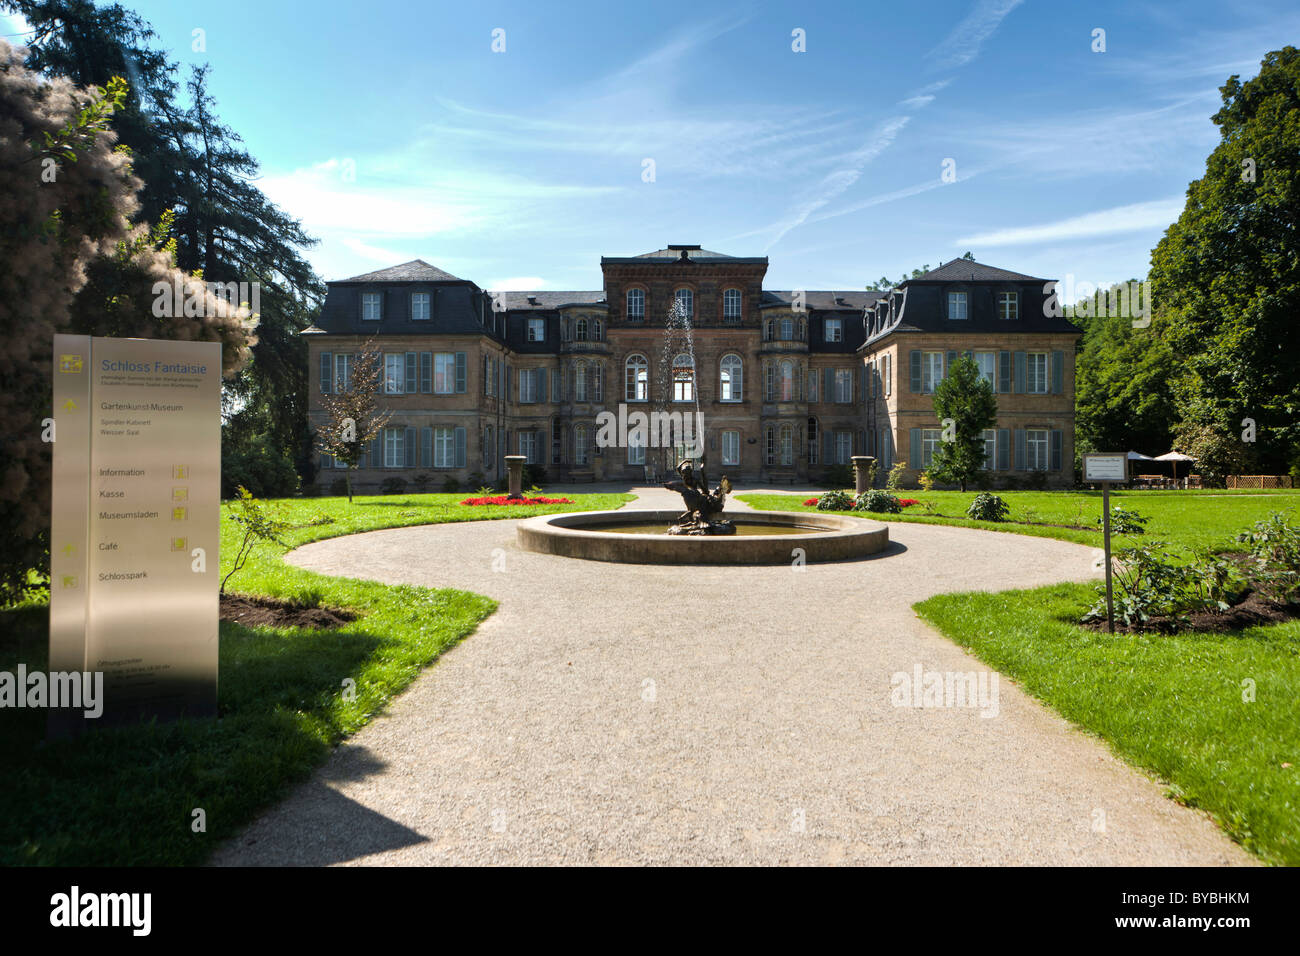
{"points": [[507, 500], [905, 502]]}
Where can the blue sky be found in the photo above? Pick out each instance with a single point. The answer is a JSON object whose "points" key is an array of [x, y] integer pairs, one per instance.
{"points": [[395, 132]]}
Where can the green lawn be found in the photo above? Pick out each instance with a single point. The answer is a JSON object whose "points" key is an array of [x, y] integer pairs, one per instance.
{"points": [[1171, 705], [126, 796]]}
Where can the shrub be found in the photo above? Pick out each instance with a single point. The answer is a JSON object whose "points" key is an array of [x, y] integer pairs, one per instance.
{"points": [[1036, 480], [422, 481], [838, 476], [878, 501], [265, 470], [450, 485], [895, 479], [534, 476], [392, 486], [834, 501], [1275, 548], [988, 507], [926, 481], [476, 479], [1148, 583], [258, 524], [339, 487], [1124, 521]]}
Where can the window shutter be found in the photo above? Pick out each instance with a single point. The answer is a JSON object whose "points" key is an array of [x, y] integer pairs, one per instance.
{"points": [[914, 447], [828, 392], [426, 447], [889, 368], [326, 373], [408, 447], [541, 385], [426, 372], [947, 368], [1004, 372], [1058, 373], [1020, 373], [1056, 449], [829, 442], [412, 372], [460, 371], [1004, 449], [1022, 454], [487, 375], [915, 357], [460, 446], [557, 385], [377, 451], [861, 373]]}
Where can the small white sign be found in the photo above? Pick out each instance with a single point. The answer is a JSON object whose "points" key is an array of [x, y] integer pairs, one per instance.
{"points": [[1105, 467]]}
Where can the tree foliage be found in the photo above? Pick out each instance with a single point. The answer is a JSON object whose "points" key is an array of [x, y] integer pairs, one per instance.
{"points": [[1122, 388], [965, 403], [352, 414], [1226, 276]]}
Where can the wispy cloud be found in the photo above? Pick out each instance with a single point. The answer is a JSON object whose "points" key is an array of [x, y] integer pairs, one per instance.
{"points": [[963, 44], [924, 96], [1158, 213]]}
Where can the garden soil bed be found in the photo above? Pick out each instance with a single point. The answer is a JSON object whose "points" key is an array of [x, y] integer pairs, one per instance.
{"points": [[251, 610], [1251, 611]]}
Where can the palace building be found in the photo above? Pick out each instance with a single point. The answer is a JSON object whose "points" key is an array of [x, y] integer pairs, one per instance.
{"points": [[786, 382]]}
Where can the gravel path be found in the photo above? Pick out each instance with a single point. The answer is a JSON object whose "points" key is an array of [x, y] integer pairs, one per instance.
{"points": [[617, 714]]}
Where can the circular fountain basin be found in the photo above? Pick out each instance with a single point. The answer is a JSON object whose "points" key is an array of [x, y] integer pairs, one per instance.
{"points": [[762, 537]]}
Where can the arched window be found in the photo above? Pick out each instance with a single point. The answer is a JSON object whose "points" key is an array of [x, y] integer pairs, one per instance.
{"points": [[580, 382], [580, 334], [787, 330], [803, 330], [786, 444], [636, 304], [813, 438], [580, 445], [596, 330], [785, 383], [683, 379], [731, 305], [637, 379], [685, 302], [767, 331], [732, 378]]}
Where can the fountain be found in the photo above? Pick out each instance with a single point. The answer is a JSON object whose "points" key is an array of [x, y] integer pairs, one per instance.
{"points": [[702, 508]]}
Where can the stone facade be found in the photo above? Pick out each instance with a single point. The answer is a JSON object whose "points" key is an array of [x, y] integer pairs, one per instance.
{"points": [[785, 382]]}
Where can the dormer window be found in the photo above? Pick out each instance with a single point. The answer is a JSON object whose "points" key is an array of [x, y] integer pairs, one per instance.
{"points": [[957, 305], [685, 302], [636, 304], [420, 306], [370, 306], [1008, 305], [536, 330], [834, 330]]}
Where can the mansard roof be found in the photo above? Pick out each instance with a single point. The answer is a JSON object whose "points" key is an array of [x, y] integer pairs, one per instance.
{"points": [[417, 270], [968, 270], [846, 300], [547, 299]]}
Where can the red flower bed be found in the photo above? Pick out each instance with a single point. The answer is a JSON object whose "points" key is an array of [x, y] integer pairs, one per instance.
{"points": [[906, 502], [506, 500], [811, 501]]}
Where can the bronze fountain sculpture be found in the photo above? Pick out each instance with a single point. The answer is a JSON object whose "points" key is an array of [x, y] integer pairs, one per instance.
{"points": [[702, 506]]}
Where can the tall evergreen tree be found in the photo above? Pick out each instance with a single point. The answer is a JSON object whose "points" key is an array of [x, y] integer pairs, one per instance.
{"points": [[964, 403]]}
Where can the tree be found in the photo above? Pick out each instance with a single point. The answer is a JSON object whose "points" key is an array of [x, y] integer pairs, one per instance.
{"points": [[67, 198], [965, 406], [1226, 276], [352, 413], [1123, 387]]}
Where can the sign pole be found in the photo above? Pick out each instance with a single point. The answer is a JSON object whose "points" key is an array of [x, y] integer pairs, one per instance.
{"points": [[1105, 524]]}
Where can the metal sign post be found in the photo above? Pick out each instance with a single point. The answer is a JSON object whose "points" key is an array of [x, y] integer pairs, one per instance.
{"points": [[1106, 468]]}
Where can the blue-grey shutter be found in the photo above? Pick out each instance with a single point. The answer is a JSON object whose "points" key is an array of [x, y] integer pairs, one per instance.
{"points": [[829, 442], [947, 368], [541, 385], [828, 392], [1058, 373], [1020, 373], [914, 448], [460, 446], [487, 375], [1004, 372], [1056, 449], [914, 357], [408, 447], [412, 372], [326, 372], [426, 372], [1022, 452], [377, 451], [460, 371], [557, 385], [426, 447], [1004, 449]]}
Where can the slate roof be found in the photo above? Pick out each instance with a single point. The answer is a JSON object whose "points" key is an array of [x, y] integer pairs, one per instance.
{"points": [[547, 299], [417, 270], [855, 300], [692, 252], [968, 270]]}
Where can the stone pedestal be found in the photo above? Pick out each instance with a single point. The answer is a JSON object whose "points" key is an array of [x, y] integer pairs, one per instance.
{"points": [[515, 469], [862, 473]]}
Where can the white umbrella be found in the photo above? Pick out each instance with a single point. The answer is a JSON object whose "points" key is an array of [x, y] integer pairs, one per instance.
{"points": [[1175, 457], [1138, 456]]}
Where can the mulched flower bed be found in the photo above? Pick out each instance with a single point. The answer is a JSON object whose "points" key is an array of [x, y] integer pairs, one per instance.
{"points": [[1250, 611], [506, 500], [252, 610]]}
